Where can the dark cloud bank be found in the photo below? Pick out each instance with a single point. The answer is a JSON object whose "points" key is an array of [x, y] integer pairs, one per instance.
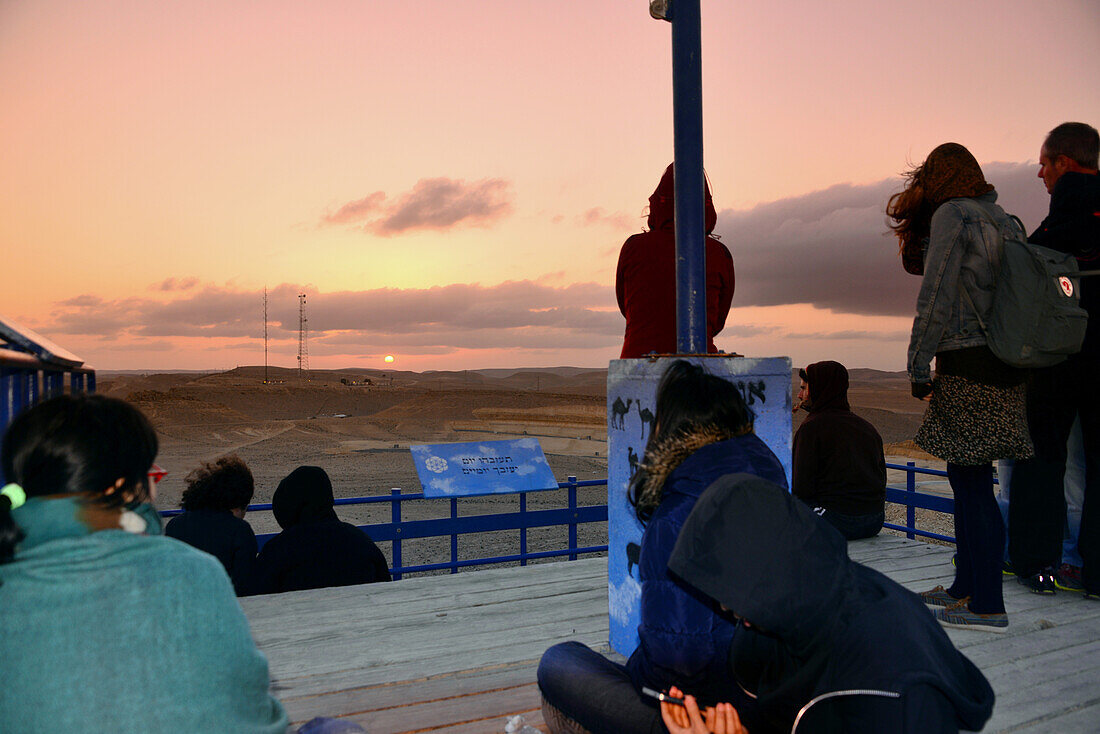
{"points": [[834, 249], [830, 248]]}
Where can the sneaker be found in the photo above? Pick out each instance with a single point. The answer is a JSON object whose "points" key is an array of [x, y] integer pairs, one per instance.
{"points": [[1039, 583], [961, 617], [1068, 578], [1006, 567], [938, 597]]}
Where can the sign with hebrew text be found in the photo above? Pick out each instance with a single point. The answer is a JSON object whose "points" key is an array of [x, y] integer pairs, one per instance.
{"points": [[482, 467]]}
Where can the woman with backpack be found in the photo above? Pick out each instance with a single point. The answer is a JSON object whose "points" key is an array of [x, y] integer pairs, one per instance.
{"points": [[951, 233]]}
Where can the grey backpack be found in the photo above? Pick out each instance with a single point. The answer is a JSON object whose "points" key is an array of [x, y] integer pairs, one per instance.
{"points": [[1036, 319]]}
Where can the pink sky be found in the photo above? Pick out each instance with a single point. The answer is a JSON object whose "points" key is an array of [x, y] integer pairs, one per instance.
{"points": [[450, 182]]}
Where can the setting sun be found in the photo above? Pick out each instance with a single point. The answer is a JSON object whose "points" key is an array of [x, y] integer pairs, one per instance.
{"points": [[388, 358]]}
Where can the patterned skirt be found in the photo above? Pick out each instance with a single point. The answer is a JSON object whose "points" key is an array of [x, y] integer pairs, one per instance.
{"points": [[972, 423]]}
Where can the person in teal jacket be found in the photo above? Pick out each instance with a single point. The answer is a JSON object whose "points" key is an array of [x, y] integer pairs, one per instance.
{"points": [[107, 625]]}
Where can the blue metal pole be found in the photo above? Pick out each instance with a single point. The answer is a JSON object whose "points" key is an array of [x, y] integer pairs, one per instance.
{"points": [[910, 510], [687, 119], [572, 481], [395, 518], [454, 537], [523, 529]]}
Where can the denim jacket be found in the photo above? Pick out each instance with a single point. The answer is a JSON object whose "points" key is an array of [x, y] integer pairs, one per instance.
{"points": [[963, 251]]}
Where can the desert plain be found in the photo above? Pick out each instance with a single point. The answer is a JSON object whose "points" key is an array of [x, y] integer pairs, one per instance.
{"points": [[358, 424]]}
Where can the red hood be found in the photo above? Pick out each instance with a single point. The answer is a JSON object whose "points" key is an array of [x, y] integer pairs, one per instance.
{"points": [[662, 204]]}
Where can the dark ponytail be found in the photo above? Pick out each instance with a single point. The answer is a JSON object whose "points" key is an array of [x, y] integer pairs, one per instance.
{"points": [[75, 444]]}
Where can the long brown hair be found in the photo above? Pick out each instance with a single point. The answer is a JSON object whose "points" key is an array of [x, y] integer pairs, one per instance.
{"points": [[950, 171]]}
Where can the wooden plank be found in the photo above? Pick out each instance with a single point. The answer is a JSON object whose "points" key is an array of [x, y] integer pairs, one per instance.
{"points": [[1077, 719], [426, 588], [374, 653], [391, 695], [410, 668], [489, 708]]}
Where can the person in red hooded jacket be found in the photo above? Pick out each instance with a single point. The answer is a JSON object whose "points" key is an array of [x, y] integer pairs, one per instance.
{"points": [[645, 279]]}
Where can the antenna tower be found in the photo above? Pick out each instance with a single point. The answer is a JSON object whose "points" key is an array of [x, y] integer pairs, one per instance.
{"points": [[265, 334], [303, 336]]}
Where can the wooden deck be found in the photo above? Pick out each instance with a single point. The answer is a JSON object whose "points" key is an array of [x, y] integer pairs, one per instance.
{"points": [[457, 654]]}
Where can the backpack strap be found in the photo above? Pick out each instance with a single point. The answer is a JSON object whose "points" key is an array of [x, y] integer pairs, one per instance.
{"points": [[1078, 274]]}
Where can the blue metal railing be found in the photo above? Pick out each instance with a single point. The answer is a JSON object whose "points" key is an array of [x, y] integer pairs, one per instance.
{"points": [[911, 499], [26, 380], [399, 530]]}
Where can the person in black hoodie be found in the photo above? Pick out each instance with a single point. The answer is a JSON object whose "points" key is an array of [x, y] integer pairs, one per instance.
{"points": [[824, 644], [1055, 395], [315, 550], [838, 465]]}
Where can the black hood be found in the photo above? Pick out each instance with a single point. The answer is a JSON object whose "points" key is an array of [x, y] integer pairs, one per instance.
{"points": [[828, 383], [305, 495], [839, 625]]}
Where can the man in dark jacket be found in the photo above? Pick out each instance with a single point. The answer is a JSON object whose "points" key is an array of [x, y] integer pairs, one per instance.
{"points": [[1056, 395], [838, 466], [825, 644], [645, 278]]}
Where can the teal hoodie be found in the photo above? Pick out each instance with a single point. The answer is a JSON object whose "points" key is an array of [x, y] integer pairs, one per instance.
{"points": [[122, 630]]}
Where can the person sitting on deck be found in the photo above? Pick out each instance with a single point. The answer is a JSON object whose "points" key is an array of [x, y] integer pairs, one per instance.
{"points": [[838, 466], [214, 504], [645, 278], [108, 626], [824, 644], [315, 550], [704, 430]]}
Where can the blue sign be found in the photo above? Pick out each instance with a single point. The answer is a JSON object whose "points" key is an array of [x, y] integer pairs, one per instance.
{"points": [[482, 467]]}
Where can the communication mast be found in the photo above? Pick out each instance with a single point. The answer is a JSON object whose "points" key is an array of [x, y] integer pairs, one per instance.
{"points": [[303, 336], [265, 334]]}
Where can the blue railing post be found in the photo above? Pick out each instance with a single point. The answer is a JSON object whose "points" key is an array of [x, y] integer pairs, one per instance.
{"points": [[572, 482], [523, 529], [687, 127], [454, 537], [55, 383], [910, 510], [395, 518]]}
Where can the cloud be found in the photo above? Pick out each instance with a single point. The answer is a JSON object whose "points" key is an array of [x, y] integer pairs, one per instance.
{"points": [[514, 314], [356, 211], [598, 217], [175, 284], [833, 248], [433, 203], [850, 334]]}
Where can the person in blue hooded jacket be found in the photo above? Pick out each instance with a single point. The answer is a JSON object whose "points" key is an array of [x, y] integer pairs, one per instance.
{"points": [[704, 431]]}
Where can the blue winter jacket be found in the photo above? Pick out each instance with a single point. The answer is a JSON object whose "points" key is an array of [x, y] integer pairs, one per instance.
{"points": [[683, 636]]}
